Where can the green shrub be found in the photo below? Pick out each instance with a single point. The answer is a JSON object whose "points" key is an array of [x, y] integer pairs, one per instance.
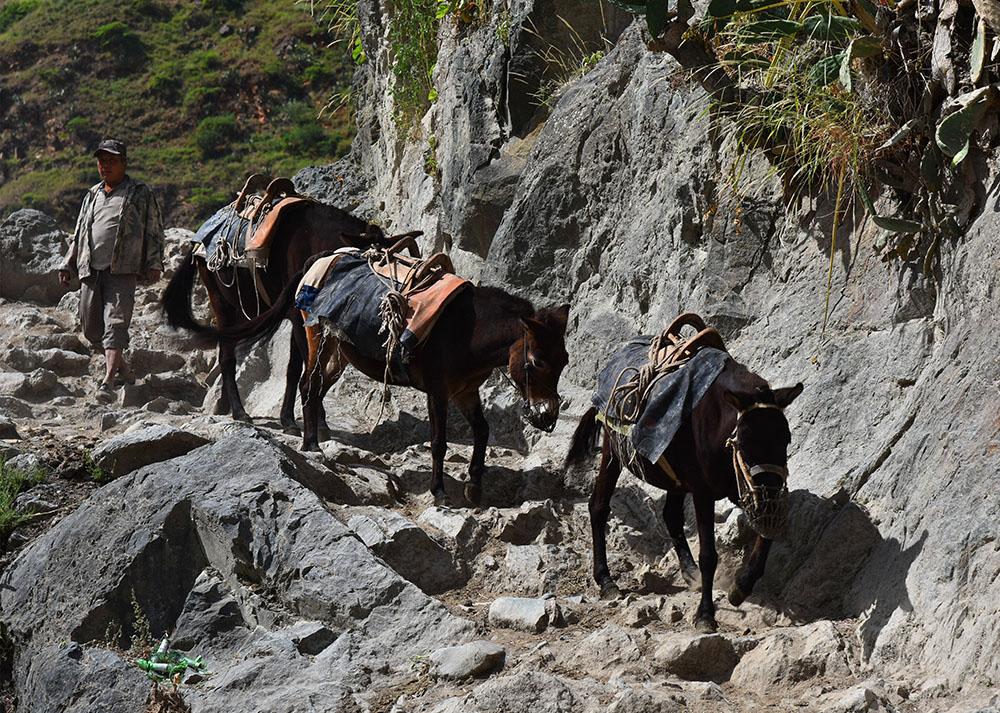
{"points": [[207, 200], [13, 481], [413, 26], [215, 134], [15, 10], [118, 38], [80, 129]]}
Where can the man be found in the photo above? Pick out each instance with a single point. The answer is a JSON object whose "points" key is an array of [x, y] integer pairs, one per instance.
{"points": [[118, 242]]}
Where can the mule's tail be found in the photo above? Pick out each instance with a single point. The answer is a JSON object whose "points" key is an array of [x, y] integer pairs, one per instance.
{"points": [[176, 299], [263, 327], [581, 448]]}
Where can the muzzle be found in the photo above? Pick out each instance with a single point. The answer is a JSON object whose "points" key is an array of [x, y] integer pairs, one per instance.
{"points": [[542, 415], [765, 504]]}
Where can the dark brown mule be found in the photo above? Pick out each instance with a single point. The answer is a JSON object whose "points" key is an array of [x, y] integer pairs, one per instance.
{"points": [[482, 329], [739, 404], [303, 230]]}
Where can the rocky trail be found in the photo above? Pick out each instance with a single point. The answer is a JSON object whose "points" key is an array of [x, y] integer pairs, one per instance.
{"points": [[331, 582]]}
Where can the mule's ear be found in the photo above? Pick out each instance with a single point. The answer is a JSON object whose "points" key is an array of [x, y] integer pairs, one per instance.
{"points": [[557, 318], [785, 396], [532, 326]]}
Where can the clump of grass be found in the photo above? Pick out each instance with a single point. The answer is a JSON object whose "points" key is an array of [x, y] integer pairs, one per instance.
{"points": [[413, 26], [14, 481], [140, 642], [94, 472], [565, 62]]}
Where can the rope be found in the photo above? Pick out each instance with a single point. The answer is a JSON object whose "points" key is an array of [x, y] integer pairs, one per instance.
{"points": [[633, 387]]}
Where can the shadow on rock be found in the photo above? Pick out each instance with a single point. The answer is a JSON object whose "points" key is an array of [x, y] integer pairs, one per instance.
{"points": [[815, 572]]}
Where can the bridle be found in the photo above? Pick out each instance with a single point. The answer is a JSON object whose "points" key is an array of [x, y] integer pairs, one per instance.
{"points": [[766, 516]]}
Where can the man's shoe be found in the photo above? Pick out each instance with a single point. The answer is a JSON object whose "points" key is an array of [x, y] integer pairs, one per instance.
{"points": [[106, 388]]}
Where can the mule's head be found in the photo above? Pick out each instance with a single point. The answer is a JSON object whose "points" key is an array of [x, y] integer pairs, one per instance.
{"points": [[535, 362], [760, 455]]}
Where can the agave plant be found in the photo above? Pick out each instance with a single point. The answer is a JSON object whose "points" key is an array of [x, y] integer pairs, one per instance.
{"points": [[844, 97]]}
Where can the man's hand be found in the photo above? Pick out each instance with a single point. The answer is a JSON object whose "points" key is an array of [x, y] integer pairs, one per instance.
{"points": [[151, 277], [64, 278]]}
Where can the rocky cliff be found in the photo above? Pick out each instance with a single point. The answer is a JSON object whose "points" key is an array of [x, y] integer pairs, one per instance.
{"points": [[620, 200], [330, 582]]}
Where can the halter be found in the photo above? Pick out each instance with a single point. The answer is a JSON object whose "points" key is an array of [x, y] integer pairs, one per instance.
{"points": [[527, 373], [768, 516]]}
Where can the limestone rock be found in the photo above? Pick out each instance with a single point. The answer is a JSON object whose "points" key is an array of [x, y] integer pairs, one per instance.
{"points": [[235, 507], [173, 386], [459, 529], [7, 429], [533, 520], [536, 569], [519, 613], [134, 449], [609, 648], [793, 655], [31, 249], [468, 660], [406, 548], [60, 361], [67, 342], [708, 657]]}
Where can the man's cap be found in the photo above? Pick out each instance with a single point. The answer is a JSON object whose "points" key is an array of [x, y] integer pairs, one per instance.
{"points": [[112, 146]]}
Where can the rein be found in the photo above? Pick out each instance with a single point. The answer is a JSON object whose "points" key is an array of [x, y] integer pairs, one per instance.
{"points": [[766, 516]]}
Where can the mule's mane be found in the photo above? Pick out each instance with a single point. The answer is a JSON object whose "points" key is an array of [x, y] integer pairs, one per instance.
{"points": [[492, 302]]}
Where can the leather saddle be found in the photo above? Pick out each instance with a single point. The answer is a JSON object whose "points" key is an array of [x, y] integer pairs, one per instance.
{"points": [[673, 349], [412, 272]]}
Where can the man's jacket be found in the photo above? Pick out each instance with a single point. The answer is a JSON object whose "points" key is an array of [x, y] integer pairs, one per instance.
{"points": [[138, 243]]}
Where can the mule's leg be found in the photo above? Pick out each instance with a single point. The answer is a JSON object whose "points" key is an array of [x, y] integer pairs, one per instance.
{"points": [[708, 559], [437, 410], [753, 569], [227, 367], [311, 384], [600, 510], [472, 408], [673, 516], [292, 375], [226, 316]]}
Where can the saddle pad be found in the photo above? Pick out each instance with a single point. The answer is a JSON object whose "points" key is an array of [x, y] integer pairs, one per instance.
{"points": [[266, 228], [671, 401], [311, 282], [426, 306], [349, 299], [225, 223]]}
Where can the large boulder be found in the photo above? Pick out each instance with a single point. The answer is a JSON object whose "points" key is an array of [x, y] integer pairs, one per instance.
{"points": [[134, 449], [31, 249], [177, 542]]}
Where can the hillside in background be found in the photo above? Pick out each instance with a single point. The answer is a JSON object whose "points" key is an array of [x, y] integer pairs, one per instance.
{"points": [[205, 93]]}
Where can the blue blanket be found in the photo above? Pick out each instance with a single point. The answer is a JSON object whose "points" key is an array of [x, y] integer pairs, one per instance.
{"points": [[226, 223], [349, 299], [672, 400]]}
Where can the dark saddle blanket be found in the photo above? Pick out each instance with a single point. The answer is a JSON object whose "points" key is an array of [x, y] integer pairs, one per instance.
{"points": [[349, 297], [671, 401], [244, 227]]}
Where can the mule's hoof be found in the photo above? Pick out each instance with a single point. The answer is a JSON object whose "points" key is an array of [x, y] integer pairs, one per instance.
{"points": [[610, 591], [324, 434], [242, 417], [736, 596], [310, 446], [474, 494], [705, 625], [291, 430], [441, 499]]}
